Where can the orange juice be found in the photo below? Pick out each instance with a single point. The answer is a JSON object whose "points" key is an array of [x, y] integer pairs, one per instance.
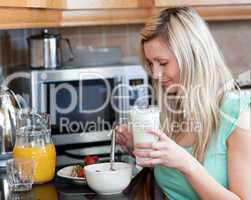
{"points": [[45, 161]]}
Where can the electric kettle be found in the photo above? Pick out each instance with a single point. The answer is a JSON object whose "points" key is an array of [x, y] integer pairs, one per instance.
{"points": [[45, 50], [8, 107]]}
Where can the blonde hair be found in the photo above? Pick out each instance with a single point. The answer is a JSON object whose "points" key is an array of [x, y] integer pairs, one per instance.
{"points": [[200, 63]]}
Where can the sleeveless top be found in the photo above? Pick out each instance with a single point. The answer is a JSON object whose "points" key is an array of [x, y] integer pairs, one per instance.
{"points": [[174, 184]]}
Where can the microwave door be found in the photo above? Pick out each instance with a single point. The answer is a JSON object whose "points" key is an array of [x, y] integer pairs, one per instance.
{"points": [[95, 103]]}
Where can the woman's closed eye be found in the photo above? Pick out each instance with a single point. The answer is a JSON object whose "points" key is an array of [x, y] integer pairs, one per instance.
{"points": [[163, 64]]}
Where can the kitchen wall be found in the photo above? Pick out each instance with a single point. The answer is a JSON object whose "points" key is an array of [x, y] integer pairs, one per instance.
{"points": [[234, 38]]}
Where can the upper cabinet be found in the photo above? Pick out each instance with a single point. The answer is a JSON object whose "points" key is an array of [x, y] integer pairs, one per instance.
{"points": [[213, 9], [99, 4], [102, 12], [165, 3], [25, 3], [77, 4], [56, 13], [96, 12]]}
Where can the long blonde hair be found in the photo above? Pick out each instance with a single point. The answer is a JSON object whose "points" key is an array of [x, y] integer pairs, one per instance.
{"points": [[201, 63]]}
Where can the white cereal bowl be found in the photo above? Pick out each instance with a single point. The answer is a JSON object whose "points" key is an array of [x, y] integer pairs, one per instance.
{"points": [[106, 182]]}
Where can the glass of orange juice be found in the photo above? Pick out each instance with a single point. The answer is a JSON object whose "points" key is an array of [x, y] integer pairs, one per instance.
{"points": [[33, 140]]}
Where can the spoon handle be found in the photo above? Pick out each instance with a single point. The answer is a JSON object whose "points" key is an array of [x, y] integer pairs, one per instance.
{"points": [[112, 149]]}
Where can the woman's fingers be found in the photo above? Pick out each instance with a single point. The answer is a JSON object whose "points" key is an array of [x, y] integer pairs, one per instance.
{"points": [[119, 139], [159, 145], [147, 153], [155, 154], [121, 129], [124, 138], [155, 145], [122, 143], [159, 134], [150, 162], [141, 153], [145, 145]]}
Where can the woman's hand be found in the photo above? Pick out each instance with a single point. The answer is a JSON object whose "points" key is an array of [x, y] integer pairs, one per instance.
{"points": [[124, 138], [165, 152]]}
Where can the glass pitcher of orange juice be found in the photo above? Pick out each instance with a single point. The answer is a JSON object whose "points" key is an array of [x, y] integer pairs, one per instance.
{"points": [[33, 140]]}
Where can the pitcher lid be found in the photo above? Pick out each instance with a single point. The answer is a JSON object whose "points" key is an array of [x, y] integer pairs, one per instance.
{"points": [[44, 35]]}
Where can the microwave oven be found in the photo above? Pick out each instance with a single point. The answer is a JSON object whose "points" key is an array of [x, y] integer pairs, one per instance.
{"points": [[85, 103]]}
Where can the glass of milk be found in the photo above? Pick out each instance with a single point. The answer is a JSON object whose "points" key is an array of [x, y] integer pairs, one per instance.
{"points": [[142, 120]]}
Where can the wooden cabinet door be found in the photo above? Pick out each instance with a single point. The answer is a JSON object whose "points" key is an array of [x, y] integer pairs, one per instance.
{"points": [[99, 4], [24, 3], [169, 3]]}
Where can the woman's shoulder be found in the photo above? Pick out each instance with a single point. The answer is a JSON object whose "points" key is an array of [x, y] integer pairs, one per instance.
{"points": [[233, 104], [235, 101]]}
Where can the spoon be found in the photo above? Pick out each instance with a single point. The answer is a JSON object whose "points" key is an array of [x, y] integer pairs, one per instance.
{"points": [[113, 137]]}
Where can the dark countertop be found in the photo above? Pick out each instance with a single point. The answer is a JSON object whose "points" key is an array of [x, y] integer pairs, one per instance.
{"points": [[58, 189], [142, 186]]}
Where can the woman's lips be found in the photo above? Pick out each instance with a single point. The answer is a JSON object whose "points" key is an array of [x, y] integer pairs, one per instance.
{"points": [[166, 83]]}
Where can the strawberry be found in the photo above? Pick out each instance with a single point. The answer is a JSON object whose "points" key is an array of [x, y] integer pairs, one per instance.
{"points": [[81, 172], [89, 160]]}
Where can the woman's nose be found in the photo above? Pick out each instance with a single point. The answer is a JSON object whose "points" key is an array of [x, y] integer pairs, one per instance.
{"points": [[157, 71]]}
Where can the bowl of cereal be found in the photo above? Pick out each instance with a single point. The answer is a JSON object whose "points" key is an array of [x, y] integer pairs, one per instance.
{"points": [[105, 181]]}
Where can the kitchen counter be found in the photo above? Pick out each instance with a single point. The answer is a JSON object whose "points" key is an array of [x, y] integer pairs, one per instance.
{"points": [[58, 189]]}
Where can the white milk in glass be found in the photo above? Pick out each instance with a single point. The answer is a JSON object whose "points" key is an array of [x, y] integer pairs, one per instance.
{"points": [[142, 121]]}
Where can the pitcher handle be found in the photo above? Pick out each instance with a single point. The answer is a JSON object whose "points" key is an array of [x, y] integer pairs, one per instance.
{"points": [[13, 95], [71, 57]]}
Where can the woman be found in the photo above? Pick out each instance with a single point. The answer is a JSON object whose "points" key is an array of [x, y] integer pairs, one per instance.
{"points": [[207, 155]]}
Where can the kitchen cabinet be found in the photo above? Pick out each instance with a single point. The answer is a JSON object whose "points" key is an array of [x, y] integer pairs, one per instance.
{"points": [[164, 3], [15, 18], [25, 3], [213, 9], [62, 13], [99, 4], [105, 12], [104, 17], [76, 4]]}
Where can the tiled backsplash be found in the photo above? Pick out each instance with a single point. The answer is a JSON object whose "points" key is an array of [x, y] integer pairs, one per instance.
{"points": [[234, 38]]}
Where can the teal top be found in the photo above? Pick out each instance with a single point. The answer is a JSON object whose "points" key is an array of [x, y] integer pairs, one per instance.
{"points": [[174, 184]]}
